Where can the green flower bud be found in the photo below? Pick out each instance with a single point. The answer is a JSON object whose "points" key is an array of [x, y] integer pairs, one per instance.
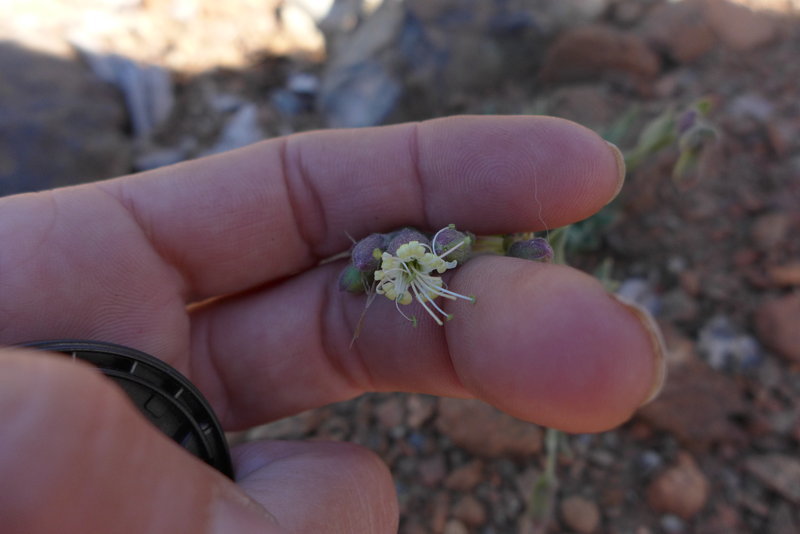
{"points": [[659, 133], [366, 254], [697, 137], [449, 239], [351, 280], [536, 249]]}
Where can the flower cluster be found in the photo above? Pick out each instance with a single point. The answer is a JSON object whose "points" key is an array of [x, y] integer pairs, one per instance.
{"points": [[410, 274], [406, 266]]}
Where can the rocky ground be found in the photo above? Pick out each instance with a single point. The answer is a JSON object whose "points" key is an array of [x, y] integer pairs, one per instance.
{"points": [[106, 87]]}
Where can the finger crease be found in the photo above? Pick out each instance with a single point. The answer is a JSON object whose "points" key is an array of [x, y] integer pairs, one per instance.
{"points": [[450, 359], [293, 170], [416, 172], [362, 380], [216, 369], [129, 207]]}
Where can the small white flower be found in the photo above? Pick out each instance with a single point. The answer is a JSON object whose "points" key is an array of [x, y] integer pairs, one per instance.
{"points": [[409, 275]]}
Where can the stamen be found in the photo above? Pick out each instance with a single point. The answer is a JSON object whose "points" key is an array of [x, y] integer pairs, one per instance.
{"points": [[406, 317], [425, 306], [440, 310], [440, 290], [446, 293], [433, 288]]}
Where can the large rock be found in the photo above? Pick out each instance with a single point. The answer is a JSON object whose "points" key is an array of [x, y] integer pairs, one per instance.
{"points": [[360, 85], [738, 26], [484, 431], [550, 17], [478, 43], [59, 124], [590, 51], [148, 91], [697, 406], [409, 57], [779, 472], [679, 29], [687, 30], [777, 322]]}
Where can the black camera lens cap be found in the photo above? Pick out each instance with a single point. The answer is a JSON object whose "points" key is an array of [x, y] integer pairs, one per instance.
{"points": [[163, 395]]}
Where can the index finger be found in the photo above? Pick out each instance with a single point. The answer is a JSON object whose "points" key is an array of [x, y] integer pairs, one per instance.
{"points": [[241, 219]]}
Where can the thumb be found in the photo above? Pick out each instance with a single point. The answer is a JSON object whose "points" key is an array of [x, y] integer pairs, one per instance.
{"points": [[76, 456]]}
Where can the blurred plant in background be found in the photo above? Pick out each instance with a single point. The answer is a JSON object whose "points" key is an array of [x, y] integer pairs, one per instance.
{"points": [[687, 132]]}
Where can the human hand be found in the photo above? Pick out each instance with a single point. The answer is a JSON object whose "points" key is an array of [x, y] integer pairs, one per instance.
{"points": [[212, 265]]}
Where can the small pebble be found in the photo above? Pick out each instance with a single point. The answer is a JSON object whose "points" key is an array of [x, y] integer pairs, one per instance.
{"points": [[672, 524], [580, 514], [454, 526]]}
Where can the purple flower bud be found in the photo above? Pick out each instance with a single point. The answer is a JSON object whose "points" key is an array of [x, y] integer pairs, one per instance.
{"points": [[448, 239], [510, 239], [536, 249], [686, 120], [351, 280], [406, 235], [364, 255]]}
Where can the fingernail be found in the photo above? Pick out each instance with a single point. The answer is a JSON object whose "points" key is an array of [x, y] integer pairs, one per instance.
{"points": [[656, 340], [620, 159], [236, 512]]}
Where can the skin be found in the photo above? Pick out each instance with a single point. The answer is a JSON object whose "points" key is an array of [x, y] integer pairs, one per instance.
{"points": [[212, 265]]}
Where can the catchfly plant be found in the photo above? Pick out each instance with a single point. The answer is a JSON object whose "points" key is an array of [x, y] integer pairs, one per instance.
{"points": [[407, 265], [410, 273]]}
